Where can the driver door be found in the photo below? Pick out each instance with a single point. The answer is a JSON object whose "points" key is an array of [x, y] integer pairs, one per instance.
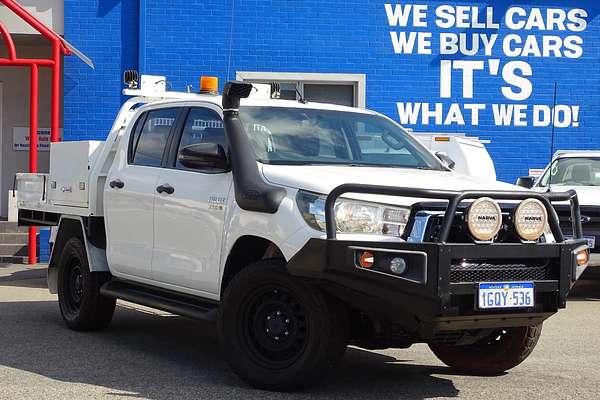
{"points": [[188, 222]]}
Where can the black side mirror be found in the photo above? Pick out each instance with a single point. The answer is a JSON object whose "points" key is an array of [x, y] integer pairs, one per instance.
{"points": [[445, 158], [203, 155], [526, 182]]}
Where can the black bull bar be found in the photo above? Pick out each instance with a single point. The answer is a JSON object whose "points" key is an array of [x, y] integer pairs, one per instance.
{"points": [[435, 300], [454, 198]]}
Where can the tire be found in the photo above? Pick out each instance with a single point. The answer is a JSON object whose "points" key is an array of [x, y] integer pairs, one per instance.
{"points": [[81, 305], [259, 306], [502, 350]]}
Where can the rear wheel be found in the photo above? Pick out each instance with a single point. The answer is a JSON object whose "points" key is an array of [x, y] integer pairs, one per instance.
{"points": [[277, 332], [81, 305], [500, 351]]}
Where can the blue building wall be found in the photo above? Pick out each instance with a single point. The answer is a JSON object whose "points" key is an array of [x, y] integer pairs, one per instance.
{"points": [[185, 39], [106, 31]]}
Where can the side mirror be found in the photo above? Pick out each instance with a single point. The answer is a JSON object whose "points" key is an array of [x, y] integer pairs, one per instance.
{"points": [[445, 158], [203, 155], [526, 182]]}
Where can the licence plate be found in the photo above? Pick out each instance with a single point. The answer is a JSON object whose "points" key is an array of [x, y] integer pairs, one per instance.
{"points": [[591, 240], [506, 295]]}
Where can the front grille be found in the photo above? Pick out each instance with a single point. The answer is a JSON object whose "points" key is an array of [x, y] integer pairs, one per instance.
{"points": [[459, 232], [476, 271]]}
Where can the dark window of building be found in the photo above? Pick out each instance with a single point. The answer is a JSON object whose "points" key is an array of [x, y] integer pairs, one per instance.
{"points": [[342, 95]]}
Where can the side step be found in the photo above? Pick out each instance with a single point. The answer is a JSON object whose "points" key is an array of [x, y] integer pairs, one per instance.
{"points": [[175, 303]]}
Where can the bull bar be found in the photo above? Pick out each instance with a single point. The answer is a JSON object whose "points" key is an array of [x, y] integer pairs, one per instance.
{"points": [[455, 198], [437, 303]]}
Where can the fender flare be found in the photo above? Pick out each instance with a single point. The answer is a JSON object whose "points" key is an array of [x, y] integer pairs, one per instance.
{"points": [[68, 227]]}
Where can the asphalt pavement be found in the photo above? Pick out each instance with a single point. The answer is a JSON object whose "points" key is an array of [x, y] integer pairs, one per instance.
{"points": [[147, 354]]}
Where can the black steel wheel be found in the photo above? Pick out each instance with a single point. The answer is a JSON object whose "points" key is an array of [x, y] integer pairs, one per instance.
{"points": [[277, 332], [73, 287], [275, 327], [81, 305], [501, 350]]}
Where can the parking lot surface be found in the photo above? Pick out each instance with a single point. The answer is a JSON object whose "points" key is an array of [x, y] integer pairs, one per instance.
{"points": [[152, 355]]}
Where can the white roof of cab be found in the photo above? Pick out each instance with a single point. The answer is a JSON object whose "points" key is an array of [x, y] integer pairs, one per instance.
{"points": [[178, 97]]}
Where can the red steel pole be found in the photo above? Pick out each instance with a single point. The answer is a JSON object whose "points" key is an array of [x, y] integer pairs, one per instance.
{"points": [[25, 62], [10, 45], [58, 48], [55, 101], [33, 151]]}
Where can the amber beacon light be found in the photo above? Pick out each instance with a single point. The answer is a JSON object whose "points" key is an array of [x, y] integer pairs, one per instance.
{"points": [[209, 85]]}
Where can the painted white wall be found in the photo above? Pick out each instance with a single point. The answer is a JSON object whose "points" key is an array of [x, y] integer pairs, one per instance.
{"points": [[50, 12]]}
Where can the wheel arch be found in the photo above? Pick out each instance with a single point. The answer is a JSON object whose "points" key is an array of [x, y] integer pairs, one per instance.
{"points": [[70, 226], [246, 250]]}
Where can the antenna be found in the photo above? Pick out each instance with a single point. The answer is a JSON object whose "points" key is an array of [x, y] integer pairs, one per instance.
{"points": [[552, 138]]}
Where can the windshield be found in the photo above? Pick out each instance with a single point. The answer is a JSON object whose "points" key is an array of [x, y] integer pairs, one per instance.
{"points": [[297, 136], [575, 171]]}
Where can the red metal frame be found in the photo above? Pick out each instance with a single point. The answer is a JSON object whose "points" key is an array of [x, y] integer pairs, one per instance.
{"points": [[58, 49]]}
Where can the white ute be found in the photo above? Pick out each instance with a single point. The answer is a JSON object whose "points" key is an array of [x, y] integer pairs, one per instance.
{"points": [[578, 170], [300, 228]]}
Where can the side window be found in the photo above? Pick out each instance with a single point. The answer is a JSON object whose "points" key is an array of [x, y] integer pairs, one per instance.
{"points": [[135, 136], [149, 144], [203, 125]]}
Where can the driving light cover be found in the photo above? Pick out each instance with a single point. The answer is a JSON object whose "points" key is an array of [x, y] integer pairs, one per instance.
{"points": [[530, 219], [484, 219], [353, 216]]}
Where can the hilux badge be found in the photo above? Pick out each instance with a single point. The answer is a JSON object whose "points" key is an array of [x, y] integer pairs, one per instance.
{"points": [[216, 203]]}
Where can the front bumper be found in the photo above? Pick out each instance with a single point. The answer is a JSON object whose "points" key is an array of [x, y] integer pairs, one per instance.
{"points": [[435, 301], [438, 292]]}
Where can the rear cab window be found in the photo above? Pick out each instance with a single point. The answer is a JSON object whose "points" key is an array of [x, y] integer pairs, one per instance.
{"points": [[150, 137]]}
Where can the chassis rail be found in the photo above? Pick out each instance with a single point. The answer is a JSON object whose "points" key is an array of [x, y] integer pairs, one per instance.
{"points": [[454, 199]]}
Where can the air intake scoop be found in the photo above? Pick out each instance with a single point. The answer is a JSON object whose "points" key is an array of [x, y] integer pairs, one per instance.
{"points": [[252, 193]]}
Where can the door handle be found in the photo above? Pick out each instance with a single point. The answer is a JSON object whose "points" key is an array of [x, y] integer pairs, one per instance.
{"points": [[117, 184], [166, 188]]}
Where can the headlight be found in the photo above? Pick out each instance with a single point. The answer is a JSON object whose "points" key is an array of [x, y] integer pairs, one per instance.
{"points": [[530, 219], [353, 216], [484, 219]]}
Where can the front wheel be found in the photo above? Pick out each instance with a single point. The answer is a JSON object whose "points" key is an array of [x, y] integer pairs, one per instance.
{"points": [[502, 350], [277, 332], [81, 305]]}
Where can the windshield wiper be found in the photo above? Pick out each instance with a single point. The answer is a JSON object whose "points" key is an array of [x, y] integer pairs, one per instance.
{"points": [[342, 164]]}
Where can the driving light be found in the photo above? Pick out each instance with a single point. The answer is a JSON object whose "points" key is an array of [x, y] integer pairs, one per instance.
{"points": [[131, 78], [484, 219], [530, 219], [398, 265]]}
